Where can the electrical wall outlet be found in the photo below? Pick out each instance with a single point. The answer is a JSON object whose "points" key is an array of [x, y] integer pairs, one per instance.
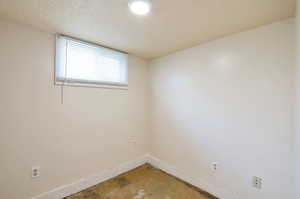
{"points": [[132, 139], [257, 182], [215, 166], [35, 172]]}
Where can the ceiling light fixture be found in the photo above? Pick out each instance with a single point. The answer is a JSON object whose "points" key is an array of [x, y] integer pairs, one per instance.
{"points": [[140, 7]]}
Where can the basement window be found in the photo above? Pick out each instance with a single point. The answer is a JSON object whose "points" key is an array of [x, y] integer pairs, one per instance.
{"points": [[80, 63]]}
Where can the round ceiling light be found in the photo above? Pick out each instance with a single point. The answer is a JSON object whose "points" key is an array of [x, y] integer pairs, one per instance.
{"points": [[140, 7]]}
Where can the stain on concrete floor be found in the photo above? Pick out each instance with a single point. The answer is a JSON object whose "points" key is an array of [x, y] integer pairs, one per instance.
{"points": [[145, 182]]}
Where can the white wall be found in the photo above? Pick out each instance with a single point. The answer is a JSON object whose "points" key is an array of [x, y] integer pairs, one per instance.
{"points": [[229, 101], [297, 140], [90, 132]]}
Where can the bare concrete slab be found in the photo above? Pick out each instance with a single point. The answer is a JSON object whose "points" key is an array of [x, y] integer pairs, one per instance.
{"points": [[145, 182]]}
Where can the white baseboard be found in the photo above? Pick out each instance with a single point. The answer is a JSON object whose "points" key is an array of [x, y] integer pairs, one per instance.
{"points": [[218, 192], [87, 182]]}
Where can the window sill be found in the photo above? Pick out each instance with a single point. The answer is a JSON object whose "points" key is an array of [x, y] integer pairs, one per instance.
{"points": [[92, 85]]}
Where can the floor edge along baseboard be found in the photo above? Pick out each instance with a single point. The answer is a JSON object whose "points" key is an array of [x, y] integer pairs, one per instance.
{"points": [[84, 183]]}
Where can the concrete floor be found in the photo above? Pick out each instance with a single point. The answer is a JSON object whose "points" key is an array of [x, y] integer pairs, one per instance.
{"points": [[145, 182]]}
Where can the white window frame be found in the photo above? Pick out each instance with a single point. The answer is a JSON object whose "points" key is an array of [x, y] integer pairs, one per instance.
{"points": [[86, 83]]}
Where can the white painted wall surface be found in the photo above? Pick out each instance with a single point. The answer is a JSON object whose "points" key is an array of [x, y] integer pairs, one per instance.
{"points": [[297, 140], [93, 130], [229, 101]]}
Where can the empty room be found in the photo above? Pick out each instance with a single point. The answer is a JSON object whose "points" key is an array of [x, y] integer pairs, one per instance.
{"points": [[149, 99]]}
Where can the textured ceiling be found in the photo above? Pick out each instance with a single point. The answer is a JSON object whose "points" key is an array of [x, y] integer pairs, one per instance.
{"points": [[171, 26]]}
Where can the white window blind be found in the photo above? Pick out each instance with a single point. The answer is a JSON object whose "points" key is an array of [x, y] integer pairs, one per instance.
{"points": [[86, 64]]}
